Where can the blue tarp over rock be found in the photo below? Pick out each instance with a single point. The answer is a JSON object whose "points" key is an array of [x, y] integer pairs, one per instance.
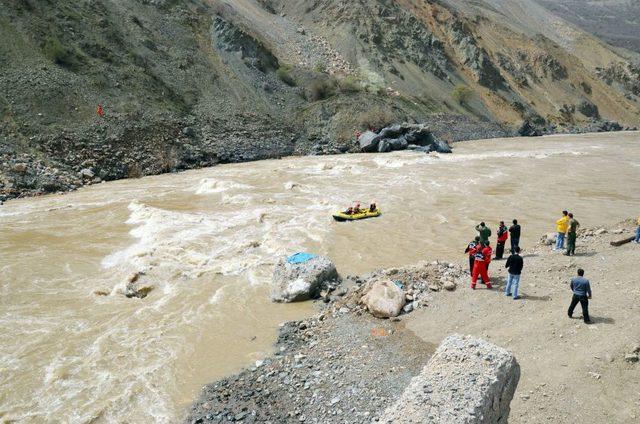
{"points": [[300, 257]]}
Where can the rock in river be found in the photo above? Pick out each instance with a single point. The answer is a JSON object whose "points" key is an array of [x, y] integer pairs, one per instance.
{"points": [[295, 282]]}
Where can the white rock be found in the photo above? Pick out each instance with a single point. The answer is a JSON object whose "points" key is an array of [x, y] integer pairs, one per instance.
{"points": [[549, 239], [449, 285], [384, 299], [86, 173]]}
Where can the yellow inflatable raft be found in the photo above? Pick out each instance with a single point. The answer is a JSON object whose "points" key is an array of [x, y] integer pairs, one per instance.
{"points": [[341, 216]]}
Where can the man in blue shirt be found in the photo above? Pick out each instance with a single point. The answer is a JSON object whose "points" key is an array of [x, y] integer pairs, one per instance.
{"points": [[581, 294]]}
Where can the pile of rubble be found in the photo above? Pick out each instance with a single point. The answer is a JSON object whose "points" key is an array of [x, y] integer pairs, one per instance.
{"points": [[392, 292]]}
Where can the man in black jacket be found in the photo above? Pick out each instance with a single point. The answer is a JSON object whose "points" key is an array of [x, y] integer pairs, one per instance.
{"points": [[514, 265], [514, 232]]}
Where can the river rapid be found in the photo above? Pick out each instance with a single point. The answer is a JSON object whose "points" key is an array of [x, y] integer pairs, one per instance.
{"points": [[207, 241]]}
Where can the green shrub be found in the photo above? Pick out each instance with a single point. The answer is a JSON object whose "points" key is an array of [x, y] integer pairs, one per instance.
{"points": [[320, 68], [284, 73], [350, 84], [462, 94], [321, 89], [58, 53], [376, 117]]}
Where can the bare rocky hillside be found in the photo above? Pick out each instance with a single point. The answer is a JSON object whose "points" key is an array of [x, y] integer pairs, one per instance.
{"points": [[200, 82], [615, 21]]}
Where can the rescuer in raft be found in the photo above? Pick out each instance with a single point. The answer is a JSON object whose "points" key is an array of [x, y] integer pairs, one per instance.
{"points": [[480, 266]]}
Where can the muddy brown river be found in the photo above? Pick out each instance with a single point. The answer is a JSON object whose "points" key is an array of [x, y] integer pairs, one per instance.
{"points": [[207, 241]]}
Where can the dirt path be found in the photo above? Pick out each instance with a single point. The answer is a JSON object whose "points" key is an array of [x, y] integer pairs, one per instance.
{"points": [[571, 372]]}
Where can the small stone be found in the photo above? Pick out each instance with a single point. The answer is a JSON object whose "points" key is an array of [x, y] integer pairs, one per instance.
{"points": [[86, 173], [20, 168]]}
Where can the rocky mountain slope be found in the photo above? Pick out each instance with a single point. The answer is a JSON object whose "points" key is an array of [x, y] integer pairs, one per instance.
{"points": [[200, 82], [615, 21]]}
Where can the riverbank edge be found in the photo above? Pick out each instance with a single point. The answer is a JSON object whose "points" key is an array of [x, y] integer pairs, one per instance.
{"points": [[38, 174]]}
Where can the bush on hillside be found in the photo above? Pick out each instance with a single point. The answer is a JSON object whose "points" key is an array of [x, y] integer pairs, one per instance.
{"points": [[462, 94], [284, 73], [321, 89], [58, 53], [375, 118], [350, 84]]}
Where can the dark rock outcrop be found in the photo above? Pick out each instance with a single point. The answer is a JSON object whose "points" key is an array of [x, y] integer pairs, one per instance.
{"points": [[401, 137], [588, 109]]}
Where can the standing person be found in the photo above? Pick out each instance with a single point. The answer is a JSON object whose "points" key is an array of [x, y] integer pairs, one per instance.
{"points": [[581, 289], [100, 110], [638, 232], [572, 234], [479, 269], [483, 231], [471, 251], [487, 253], [562, 225], [514, 231], [514, 265], [503, 235]]}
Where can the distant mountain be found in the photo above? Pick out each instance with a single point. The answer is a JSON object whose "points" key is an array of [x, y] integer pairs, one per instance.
{"points": [[615, 21], [192, 84]]}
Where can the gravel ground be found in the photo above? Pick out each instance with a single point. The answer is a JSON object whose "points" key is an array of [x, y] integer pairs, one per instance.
{"points": [[340, 367], [344, 366]]}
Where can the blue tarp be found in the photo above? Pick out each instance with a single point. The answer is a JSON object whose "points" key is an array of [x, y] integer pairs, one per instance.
{"points": [[301, 257]]}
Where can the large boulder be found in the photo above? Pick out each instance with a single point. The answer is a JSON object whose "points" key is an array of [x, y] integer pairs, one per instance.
{"points": [[528, 129], [369, 141], [467, 380], [384, 299], [549, 239], [296, 282], [400, 137]]}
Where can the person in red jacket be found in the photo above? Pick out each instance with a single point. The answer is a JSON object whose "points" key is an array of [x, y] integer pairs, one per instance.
{"points": [[503, 235], [487, 252], [470, 250], [480, 267]]}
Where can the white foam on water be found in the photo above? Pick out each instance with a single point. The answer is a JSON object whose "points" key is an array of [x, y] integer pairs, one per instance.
{"points": [[217, 296], [237, 199], [401, 160], [213, 185]]}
